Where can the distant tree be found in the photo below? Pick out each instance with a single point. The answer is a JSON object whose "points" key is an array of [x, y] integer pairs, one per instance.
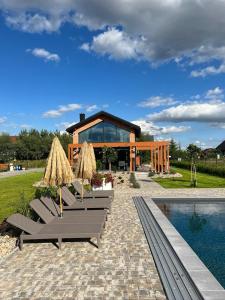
{"points": [[109, 155], [193, 151], [174, 149], [33, 144], [65, 139], [7, 148]]}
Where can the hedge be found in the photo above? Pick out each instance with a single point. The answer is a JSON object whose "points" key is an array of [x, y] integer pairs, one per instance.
{"points": [[210, 169]]}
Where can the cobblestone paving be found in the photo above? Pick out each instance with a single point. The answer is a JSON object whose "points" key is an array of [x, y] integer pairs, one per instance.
{"points": [[122, 269]]}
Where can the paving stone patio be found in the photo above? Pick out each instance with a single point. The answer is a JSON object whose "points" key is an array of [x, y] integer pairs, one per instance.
{"points": [[122, 269]]}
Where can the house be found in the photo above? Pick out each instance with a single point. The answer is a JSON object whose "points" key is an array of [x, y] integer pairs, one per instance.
{"points": [[221, 148], [104, 129]]}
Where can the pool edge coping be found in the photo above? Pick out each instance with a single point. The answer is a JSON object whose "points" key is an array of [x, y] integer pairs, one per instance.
{"points": [[204, 280]]}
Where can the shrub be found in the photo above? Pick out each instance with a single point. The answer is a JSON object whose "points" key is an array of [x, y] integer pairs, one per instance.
{"points": [[97, 179], [172, 171], [136, 185], [23, 207], [151, 173], [46, 192], [201, 167], [133, 181], [108, 178], [87, 187]]}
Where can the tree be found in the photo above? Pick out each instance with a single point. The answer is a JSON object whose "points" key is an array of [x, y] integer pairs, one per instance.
{"points": [[7, 148], [174, 149], [109, 155], [193, 151]]}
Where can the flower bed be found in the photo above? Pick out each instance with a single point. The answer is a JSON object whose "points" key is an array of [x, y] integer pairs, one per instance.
{"points": [[102, 181]]}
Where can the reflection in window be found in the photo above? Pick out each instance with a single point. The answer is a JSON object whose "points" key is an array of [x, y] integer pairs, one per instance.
{"points": [[104, 132]]}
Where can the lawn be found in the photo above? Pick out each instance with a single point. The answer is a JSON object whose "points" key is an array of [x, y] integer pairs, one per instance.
{"points": [[203, 180], [11, 189]]}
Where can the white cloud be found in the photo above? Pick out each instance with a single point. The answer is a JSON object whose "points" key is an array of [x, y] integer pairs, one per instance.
{"points": [[215, 93], [152, 129], [211, 70], [157, 101], [44, 54], [91, 108], [61, 110], [115, 43], [34, 23], [25, 126], [152, 30], [198, 112], [63, 125], [2, 120]]}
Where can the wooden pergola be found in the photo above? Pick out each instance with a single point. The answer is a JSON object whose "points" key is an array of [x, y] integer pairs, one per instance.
{"points": [[159, 153]]}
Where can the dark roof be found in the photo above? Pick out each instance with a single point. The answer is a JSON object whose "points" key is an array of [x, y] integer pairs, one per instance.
{"points": [[136, 128], [221, 146]]}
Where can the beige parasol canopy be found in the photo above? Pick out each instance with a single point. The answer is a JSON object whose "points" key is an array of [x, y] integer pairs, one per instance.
{"points": [[58, 171], [93, 159], [86, 164]]}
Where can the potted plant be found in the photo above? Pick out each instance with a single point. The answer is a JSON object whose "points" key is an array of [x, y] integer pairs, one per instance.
{"points": [[97, 182], [108, 182]]}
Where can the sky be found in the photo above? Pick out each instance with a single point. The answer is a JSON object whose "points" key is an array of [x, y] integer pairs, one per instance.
{"points": [[157, 63]]}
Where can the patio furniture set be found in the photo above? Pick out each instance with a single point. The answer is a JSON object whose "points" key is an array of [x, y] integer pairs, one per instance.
{"points": [[82, 218]]}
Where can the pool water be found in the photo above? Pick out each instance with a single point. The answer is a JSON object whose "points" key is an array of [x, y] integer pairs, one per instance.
{"points": [[202, 225]]}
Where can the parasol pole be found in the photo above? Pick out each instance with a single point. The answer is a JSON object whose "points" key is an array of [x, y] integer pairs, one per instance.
{"points": [[60, 201]]}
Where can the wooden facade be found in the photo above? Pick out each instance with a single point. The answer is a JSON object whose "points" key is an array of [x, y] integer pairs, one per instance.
{"points": [[159, 150]]}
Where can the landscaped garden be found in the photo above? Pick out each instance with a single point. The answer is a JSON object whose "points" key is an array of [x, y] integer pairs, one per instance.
{"points": [[203, 180], [14, 190]]}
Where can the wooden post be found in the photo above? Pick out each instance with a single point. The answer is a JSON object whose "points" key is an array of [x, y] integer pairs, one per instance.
{"points": [[155, 165], [131, 164], [161, 159], [165, 160], [168, 157], [152, 158], [158, 156]]}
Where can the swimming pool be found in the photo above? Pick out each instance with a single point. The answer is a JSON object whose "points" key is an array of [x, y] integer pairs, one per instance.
{"points": [[202, 224]]}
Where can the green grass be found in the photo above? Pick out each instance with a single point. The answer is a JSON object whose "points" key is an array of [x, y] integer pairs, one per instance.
{"points": [[203, 180], [11, 189]]}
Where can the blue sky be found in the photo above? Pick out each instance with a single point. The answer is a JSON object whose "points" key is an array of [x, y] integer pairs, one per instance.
{"points": [[163, 71]]}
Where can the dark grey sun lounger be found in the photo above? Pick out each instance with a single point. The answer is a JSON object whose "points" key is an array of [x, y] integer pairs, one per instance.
{"points": [[36, 231], [90, 203], [55, 209], [92, 194], [48, 217]]}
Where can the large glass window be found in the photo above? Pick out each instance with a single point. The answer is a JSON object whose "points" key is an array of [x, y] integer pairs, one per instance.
{"points": [[104, 132]]}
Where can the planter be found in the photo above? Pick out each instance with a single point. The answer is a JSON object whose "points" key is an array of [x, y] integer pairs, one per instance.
{"points": [[107, 186], [97, 188], [104, 187]]}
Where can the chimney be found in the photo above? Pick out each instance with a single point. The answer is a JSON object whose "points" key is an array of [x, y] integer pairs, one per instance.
{"points": [[82, 117]]}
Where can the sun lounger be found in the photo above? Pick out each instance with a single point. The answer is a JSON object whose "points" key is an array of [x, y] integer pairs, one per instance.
{"points": [[36, 231], [87, 203], [55, 209], [92, 194], [46, 216]]}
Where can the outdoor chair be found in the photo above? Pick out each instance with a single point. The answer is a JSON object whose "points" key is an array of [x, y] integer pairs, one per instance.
{"points": [[87, 203], [92, 194], [36, 231], [55, 209], [46, 216]]}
